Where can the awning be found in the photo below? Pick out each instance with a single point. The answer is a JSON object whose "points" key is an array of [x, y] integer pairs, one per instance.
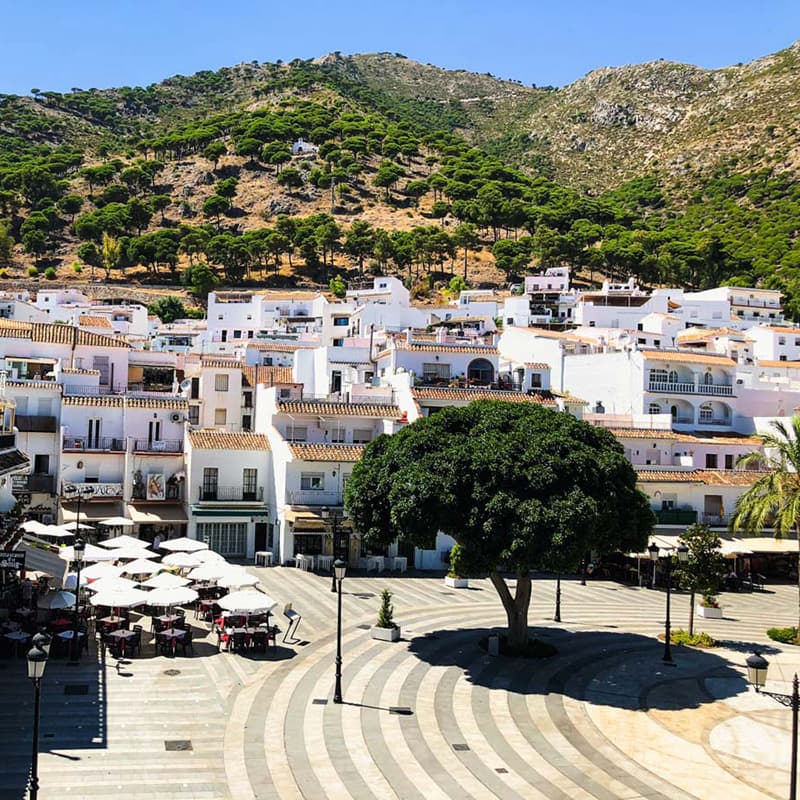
{"points": [[310, 521], [769, 544], [156, 513], [91, 512], [44, 560], [729, 546], [13, 461]]}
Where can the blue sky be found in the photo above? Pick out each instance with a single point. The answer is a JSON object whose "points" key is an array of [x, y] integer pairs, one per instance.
{"points": [[58, 44]]}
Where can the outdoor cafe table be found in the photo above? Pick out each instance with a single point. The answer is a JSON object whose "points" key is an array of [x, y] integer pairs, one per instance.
{"points": [[167, 619], [122, 636], [111, 622], [171, 635], [61, 623], [18, 638]]}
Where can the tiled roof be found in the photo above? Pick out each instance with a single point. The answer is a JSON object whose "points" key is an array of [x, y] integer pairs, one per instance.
{"points": [[325, 409], [90, 321], [209, 439], [536, 365], [35, 384], [433, 347], [220, 363], [707, 333], [780, 364], [711, 437], [469, 395], [778, 329], [682, 356], [120, 401], [571, 399], [643, 433], [709, 477], [51, 333], [281, 347], [269, 376], [326, 452]]}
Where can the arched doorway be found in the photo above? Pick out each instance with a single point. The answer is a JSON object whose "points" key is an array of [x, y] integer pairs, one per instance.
{"points": [[480, 371]]}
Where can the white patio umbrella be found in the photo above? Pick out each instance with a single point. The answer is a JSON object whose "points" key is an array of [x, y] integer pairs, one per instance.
{"points": [[171, 596], [210, 557], [142, 566], [183, 560], [100, 570], [111, 584], [208, 572], [131, 553], [164, 580], [124, 598], [116, 522], [75, 526], [247, 601], [184, 544], [91, 553], [72, 579], [34, 526], [236, 578], [58, 600], [55, 532], [124, 541]]}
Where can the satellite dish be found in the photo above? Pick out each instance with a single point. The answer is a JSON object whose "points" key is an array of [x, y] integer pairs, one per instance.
{"points": [[185, 385]]}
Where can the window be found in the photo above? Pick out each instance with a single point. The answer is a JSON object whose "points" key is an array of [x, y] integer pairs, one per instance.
{"points": [[249, 334], [247, 398], [221, 383], [312, 481], [338, 342], [210, 479], [657, 342], [509, 320], [658, 376], [362, 436], [220, 416], [285, 393], [436, 372], [297, 433], [481, 371], [368, 376], [194, 392], [728, 460], [655, 408], [340, 322], [781, 358], [641, 341], [337, 435], [247, 422], [797, 342], [226, 538], [536, 380], [249, 483], [41, 464], [706, 413], [708, 379], [672, 377], [781, 340], [711, 460], [194, 415]]}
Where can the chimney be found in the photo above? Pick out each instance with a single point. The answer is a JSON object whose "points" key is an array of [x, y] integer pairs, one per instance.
{"points": [[409, 335], [441, 335]]}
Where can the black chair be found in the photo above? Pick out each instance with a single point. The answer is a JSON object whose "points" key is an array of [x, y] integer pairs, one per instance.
{"points": [[135, 643], [294, 620], [186, 642], [260, 641], [180, 612], [181, 624], [239, 642]]}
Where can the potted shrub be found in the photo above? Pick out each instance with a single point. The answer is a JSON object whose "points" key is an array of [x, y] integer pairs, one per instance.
{"points": [[455, 578], [385, 628], [709, 608]]}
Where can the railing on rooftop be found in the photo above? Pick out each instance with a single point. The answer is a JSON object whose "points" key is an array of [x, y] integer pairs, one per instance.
{"points": [[222, 494], [134, 390], [313, 497], [162, 446], [95, 443], [678, 387]]}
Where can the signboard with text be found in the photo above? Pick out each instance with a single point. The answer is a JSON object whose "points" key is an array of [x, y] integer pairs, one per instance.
{"points": [[12, 561]]}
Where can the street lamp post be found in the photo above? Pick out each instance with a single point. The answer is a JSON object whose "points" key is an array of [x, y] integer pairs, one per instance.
{"points": [[78, 550], [37, 660], [339, 568], [683, 555], [757, 667], [557, 615]]}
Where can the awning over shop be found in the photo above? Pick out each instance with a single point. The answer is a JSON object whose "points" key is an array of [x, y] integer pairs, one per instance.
{"points": [[311, 521], [730, 545], [156, 513], [90, 512], [769, 544]]}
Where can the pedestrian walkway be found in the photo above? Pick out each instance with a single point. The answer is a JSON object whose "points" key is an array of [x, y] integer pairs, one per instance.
{"points": [[431, 716]]}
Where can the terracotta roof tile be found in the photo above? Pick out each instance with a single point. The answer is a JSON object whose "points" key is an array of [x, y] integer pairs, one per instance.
{"points": [[104, 400], [703, 334], [35, 384], [455, 395], [215, 362], [51, 333], [709, 477], [326, 452], [210, 439], [121, 401], [91, 321], [643, 433], [434, 347], [281, 347], [325, 409], [683, 356], [536, 365], [780, 364], [269, 376]]}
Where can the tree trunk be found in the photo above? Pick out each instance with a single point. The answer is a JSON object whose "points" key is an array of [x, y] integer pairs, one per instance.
{"points": [[691, 614], [516, 608]]}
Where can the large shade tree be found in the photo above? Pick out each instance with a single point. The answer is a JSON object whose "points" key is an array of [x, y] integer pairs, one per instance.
{"points": [[773, 501], [515, 484]]}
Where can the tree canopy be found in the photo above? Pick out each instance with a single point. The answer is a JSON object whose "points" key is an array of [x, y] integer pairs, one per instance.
{"points": [[513, 484]]}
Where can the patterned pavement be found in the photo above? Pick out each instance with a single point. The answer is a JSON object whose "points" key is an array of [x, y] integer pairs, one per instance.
{"points": [[605, 719]]}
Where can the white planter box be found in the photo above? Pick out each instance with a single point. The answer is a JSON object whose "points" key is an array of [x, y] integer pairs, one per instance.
{"points": [[708, 613], [456, 583], [385, 634]]}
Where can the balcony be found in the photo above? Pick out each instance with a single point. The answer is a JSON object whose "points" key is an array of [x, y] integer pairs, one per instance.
{"points": [[314, 497], [716, 520], [101, 444], [675, 387], [230, 494], [7, 440], [163, 446], [675, 516], [172, 491], [34, 483], [27, 423]]}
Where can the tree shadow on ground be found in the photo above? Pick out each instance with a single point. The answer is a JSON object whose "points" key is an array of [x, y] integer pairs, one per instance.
{"points": [[600, 667]]}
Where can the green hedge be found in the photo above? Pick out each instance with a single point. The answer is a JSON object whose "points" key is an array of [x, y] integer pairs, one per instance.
{"points": [[783, 635]]}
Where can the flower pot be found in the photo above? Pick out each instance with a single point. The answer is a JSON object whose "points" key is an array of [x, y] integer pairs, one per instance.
{"points": [[456, 583], [709, 612], [385, 634]]}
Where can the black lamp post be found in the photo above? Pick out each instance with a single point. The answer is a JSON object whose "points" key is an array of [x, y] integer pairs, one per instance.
{"points": [[78, 550], [37, 660], [339, 568], [683, 555], [757, 667], [557, 615]]}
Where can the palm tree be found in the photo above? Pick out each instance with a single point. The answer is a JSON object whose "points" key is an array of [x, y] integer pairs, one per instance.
{"points": [[774, 499]]}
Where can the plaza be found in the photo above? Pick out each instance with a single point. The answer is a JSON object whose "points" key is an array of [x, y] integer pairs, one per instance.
{"points": [[431, 716]]}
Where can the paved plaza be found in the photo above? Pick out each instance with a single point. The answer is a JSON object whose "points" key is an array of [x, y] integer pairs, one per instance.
{"points": [[430, 717]]}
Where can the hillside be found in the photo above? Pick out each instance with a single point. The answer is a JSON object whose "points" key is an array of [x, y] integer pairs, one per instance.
{"points": [[668, 171]]}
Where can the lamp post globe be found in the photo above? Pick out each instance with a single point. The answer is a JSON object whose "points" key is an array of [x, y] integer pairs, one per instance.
{"points": [[757, 667]]}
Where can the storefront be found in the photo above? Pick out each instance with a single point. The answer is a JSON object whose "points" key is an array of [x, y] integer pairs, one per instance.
{"points": [[165, 520]]}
